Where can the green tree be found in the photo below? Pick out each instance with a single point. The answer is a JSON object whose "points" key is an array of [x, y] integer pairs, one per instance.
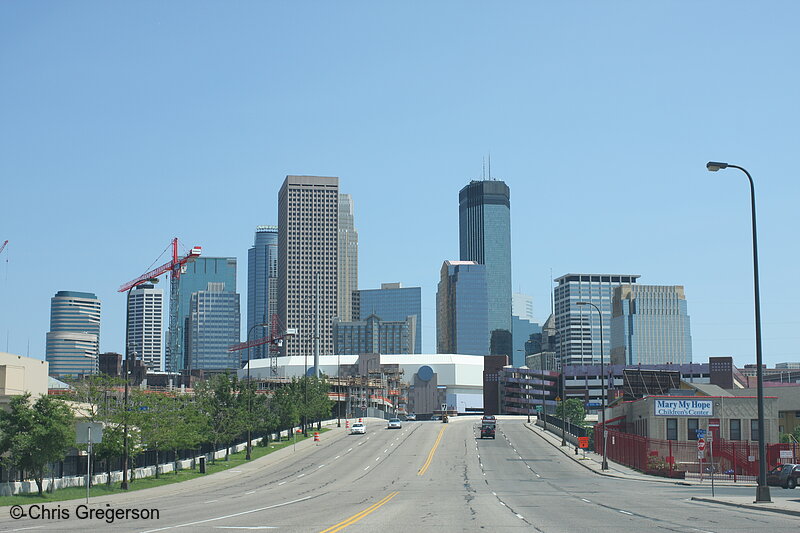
{"points": [[572, 411], [221, 407], [286, 404], [35, 434], [319, 404]]}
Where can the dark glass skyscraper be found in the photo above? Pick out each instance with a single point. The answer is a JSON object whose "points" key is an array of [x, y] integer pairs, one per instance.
{"points": [[484, 216], [262, 285], [198, 275]]}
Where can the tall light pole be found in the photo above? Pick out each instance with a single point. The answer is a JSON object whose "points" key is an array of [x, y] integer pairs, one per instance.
{"points": [[604, 465], [250, 392], [126, 367], [762, 490], [338, 376]]}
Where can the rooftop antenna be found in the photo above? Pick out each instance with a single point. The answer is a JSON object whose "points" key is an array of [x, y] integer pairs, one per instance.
{"points": [[483, 171], [552, 296], [490, 165]]}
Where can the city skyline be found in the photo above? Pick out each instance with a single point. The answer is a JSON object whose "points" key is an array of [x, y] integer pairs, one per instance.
{"points": [[580, 115]]}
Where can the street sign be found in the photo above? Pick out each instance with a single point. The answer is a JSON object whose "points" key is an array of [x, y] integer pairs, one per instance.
{"points": [[700, 433], [710, 437], [701, 454], [786, 454], [701, 444], [539, 408], [558, 398], [583, 442], [86, 431]]}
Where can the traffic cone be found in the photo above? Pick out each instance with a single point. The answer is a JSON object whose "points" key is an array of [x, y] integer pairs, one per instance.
{"points": [[316, 436], [347, 424], [359, 421]]}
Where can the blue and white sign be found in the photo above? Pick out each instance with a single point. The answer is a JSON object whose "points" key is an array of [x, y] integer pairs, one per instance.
{"points": [[684, 407]]}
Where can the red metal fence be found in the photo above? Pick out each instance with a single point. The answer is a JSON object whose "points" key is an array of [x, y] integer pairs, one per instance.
{"points": [[733, 458]]}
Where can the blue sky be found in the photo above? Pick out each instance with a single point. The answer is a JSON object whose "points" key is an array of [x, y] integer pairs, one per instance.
{"points": [[125, 124]]}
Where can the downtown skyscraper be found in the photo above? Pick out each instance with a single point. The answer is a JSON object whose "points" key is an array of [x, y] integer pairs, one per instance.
{"points": [[308, 261], [348, 259], [73, 342], [145, 324], [461, 309], [484, 216], [262, 286]]}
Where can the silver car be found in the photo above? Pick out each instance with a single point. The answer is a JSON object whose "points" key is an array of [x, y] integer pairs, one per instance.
{"points": [[358, 429], [394, 423]]}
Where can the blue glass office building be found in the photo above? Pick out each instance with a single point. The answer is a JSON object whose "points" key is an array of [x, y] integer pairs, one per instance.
{"points": [[650, 325], [394, 303], [462, 318], [374, 335], [212, 327], [262, 285], [198, 275], [484, 210]]}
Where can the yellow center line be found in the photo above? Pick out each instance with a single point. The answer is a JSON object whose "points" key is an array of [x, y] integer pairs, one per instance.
{"points": [[433, 450], [358, 516]]}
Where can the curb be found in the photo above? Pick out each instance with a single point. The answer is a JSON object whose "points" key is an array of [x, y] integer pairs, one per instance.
{"points": [[748, 506], [623, 476]]}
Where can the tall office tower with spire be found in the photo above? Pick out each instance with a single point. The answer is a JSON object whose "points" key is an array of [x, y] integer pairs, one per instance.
{"points": [[262, 285], [484, 216], [145, 323], [348, 259], [73, 342], [308, 260]]}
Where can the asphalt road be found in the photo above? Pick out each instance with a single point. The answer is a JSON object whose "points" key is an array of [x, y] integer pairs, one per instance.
{"points": [[426, 476]]}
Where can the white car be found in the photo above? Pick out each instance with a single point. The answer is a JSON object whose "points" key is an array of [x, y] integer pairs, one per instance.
{"points": [[358, 429], [394, 423]]}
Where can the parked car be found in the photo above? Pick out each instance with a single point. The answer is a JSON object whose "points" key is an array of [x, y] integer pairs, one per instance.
{"points": [[487, 431], [358, 429], [435, 417], [394, 423], [786, 476]]}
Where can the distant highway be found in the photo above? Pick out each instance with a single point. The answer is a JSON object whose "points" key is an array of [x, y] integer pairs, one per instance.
{"points": [[427, 476]]}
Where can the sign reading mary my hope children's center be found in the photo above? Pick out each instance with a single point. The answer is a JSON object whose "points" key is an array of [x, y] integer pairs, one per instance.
{"points": [[684, 407]]}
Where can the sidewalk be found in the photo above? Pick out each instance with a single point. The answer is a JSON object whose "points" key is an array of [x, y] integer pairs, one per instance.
{"points": [[593, 462]]}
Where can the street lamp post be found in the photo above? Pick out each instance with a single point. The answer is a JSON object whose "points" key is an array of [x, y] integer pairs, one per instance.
{"points": [[250, 392], [544, 413], [126, 367], [762, 490], [604, 465]]}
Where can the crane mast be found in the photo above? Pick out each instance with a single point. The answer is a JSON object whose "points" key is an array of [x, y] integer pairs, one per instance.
{"points": [[175, 267]]}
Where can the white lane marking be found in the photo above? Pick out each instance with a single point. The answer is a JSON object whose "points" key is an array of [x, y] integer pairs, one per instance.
{"points": [[26, 528], [336, 457], [494, 494], [585, 500], [504, 505], [386, 450], [484, 473], [281, 483], [366, 468], [320, 466], [626, 512], [520, 516], [245, 527], [301, 475], [230, 515], [377, 458], [392, 444], [211, 501], [251, 492], [537, 475]]}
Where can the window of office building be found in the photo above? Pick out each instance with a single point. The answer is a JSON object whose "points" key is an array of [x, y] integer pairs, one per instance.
{"points": [[672, 429], [754, 429], [736, 429], [692, 425]]}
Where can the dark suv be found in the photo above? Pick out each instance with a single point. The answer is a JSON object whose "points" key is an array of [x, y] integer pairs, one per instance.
{"points": [[786, 476], [487, 431]]}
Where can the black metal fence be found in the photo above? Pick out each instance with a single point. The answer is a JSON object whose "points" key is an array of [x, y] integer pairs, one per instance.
{"points": [[578, 431]]}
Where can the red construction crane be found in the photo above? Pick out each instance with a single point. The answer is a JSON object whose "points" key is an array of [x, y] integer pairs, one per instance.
{"points": [[274, 340], [175, 268]]}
